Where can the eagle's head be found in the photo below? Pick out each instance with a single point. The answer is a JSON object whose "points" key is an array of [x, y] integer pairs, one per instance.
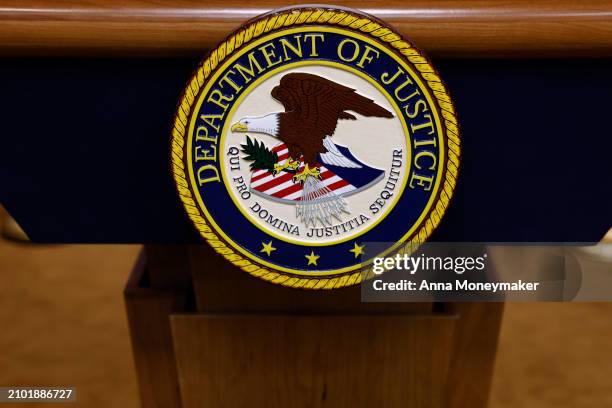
{"points": [[267, 124]]}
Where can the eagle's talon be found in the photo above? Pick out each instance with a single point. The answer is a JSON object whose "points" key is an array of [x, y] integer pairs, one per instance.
{"points": [[287, 164], [305, 173]]}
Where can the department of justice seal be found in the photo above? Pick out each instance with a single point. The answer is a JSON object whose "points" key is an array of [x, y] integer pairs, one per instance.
{"points": [[307, 134]]}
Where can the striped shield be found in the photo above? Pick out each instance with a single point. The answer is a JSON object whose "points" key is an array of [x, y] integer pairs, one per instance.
{"points": [[341, 180]]}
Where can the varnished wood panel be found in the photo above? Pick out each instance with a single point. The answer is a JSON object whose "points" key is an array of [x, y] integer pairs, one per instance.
{"points": [[187, 27], [168, 267], [312, 361], [220, 287], [474, 351], [148, 313]]}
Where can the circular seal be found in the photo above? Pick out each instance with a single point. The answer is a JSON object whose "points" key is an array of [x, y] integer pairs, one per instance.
{"points": [[312, 140]]}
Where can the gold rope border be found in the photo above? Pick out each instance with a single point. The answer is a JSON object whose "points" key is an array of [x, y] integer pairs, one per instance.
{"points": [[287, 18]]}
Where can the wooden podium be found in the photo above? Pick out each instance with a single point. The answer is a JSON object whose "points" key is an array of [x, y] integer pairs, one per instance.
{"points": [[207, 335]]}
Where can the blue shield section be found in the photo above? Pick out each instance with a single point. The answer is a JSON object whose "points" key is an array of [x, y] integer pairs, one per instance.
{"points": [[361, 178]]}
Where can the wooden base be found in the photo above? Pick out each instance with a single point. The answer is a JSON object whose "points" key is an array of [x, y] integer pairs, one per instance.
{"points": [[229, 340]]}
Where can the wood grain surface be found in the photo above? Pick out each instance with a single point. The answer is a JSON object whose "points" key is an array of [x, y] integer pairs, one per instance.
{"points": [[220, 287], [550, 355], [474, 351], [148, 312], [446, 28], [312, 361]]}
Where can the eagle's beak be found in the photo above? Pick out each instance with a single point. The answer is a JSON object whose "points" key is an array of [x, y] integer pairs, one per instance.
{"points": [[239, 127]]}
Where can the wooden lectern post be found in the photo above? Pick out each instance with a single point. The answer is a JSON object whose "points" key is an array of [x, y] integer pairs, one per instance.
{"points": [[224, 339]]}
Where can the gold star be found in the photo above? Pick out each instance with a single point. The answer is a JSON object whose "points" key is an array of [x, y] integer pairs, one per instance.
{"points": [[312, 258], [358, 250], [267, 248]]}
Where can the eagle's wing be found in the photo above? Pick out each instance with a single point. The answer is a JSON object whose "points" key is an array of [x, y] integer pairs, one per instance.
{"points": [[334, 157], [320, 102]]}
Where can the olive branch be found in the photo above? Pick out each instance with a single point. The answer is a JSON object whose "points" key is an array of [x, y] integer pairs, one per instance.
{"points": [[262, 157]]}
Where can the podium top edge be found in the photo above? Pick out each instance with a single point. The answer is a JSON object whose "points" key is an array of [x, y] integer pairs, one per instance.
{"points": [[442, 28]]}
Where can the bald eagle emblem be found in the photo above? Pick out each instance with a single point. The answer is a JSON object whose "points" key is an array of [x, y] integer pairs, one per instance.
{"points": [[307, 168]]}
